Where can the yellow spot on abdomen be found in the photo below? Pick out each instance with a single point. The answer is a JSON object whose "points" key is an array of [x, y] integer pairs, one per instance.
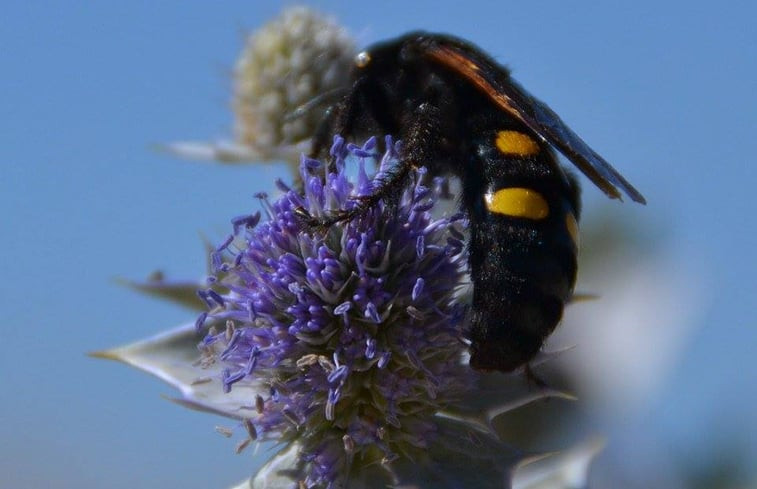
{"points": [[572, 225], [517, 202], [514, 143]]}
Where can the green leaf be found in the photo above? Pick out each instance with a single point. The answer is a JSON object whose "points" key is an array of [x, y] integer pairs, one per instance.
{"points": [[173, 357], [565, 470], [278, 473], [182, 293], [497, 393], [232, 152], [247, 484]]}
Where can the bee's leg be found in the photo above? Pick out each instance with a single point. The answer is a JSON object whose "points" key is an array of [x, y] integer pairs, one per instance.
{"points": [[419, 147], [324, 131], [340, 119]]}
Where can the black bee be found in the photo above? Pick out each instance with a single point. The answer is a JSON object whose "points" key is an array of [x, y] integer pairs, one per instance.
{"points": [[458, 112]]}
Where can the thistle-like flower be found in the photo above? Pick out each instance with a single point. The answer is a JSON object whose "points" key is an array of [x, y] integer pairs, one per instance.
{"points": [[354, 334]]}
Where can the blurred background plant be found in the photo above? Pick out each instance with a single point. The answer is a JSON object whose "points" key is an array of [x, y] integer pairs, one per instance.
{"points": [[663, 365], [287, 74]]}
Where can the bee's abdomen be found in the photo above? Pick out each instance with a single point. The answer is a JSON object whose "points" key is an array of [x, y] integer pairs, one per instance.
{"points": [[523, 266], [511, 318]]}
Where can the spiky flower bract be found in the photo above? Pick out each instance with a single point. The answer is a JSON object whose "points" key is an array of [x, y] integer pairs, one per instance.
{"points": [[355, 331]]}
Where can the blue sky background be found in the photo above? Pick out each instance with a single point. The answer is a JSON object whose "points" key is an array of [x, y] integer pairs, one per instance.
{"points": [[667, 91]]}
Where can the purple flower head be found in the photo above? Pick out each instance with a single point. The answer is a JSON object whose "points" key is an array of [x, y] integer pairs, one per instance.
{"points": [[352, 335]]}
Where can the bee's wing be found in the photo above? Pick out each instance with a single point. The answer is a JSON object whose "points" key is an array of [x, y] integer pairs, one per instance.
{"points": [[495, 82]]}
